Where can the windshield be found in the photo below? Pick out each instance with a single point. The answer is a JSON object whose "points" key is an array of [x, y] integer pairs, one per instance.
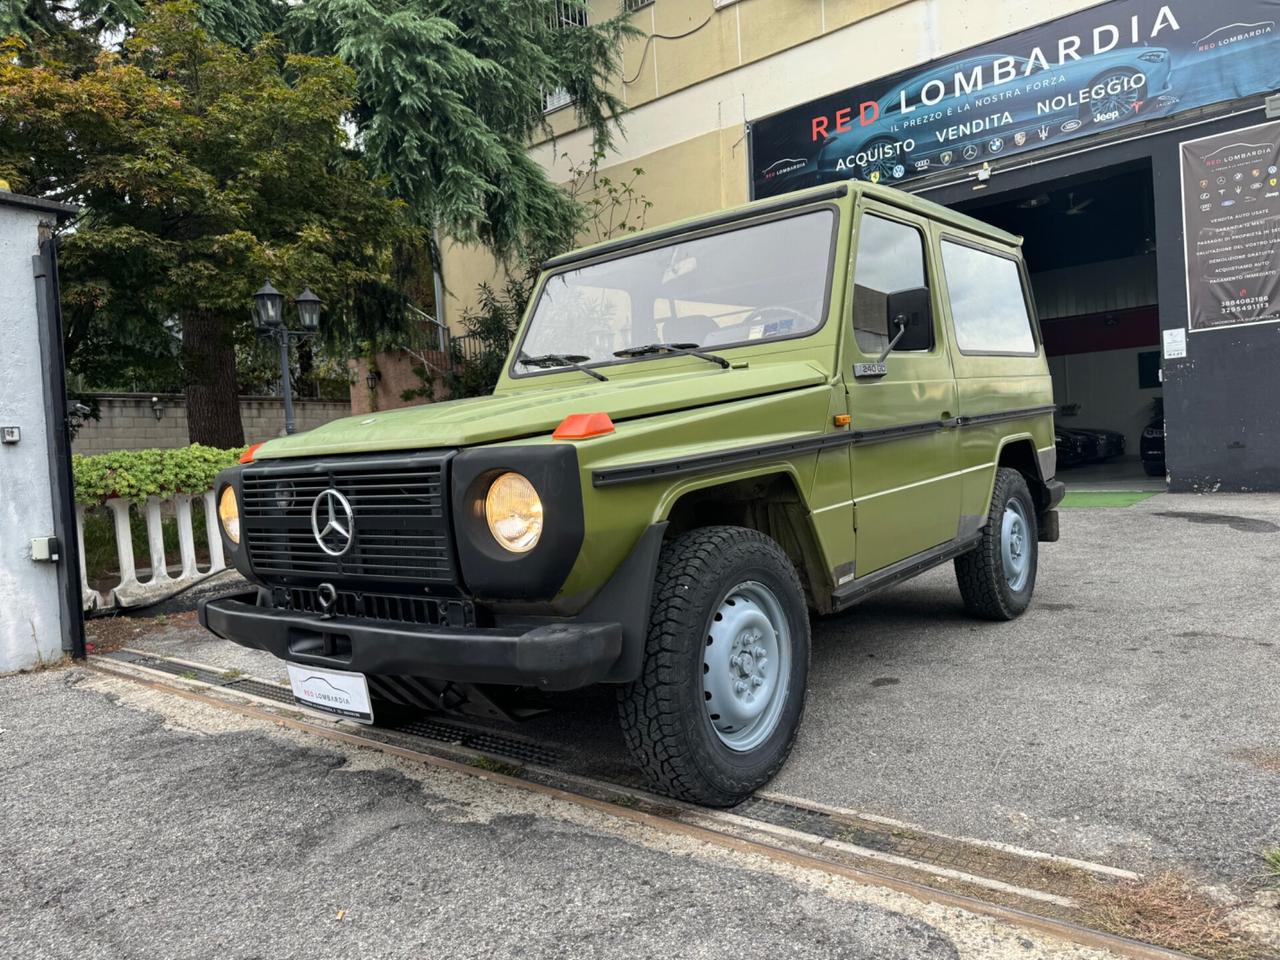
{"points": [[762, 282]]}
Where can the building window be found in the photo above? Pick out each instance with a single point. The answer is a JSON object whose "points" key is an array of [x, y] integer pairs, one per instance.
{"points": [[631, 6], [564, 17]]}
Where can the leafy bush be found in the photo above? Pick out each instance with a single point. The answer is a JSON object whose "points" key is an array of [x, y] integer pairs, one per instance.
{"points": [[138, 474]]}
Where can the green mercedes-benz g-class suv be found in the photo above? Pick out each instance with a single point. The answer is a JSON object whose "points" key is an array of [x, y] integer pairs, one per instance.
{"points": [[703, 433]]}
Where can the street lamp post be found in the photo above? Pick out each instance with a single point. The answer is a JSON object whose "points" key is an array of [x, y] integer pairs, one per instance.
{"points": [[268, 320]]}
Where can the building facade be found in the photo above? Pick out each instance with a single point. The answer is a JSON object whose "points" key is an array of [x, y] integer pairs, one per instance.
{"points": [[1128, 141]]}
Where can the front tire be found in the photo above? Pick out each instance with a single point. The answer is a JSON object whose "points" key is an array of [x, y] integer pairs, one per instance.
{"points": [[998, 576], [721, 692]]}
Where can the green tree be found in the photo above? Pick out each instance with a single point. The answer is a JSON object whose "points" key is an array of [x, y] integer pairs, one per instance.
{"points": [[442, 99], [449, 92], [453, 91], [201, 169]]}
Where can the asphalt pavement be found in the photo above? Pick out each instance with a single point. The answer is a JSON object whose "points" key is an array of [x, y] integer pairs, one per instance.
{"points": [[140, 825]]}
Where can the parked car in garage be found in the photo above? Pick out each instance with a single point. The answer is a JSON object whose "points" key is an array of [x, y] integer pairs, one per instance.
{"points": [[1077, 445], [1152, 448], [1073, 448], [1106, 443]]}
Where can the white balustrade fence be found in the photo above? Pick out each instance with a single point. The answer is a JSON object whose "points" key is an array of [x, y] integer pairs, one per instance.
{"points": [[162, 582]]}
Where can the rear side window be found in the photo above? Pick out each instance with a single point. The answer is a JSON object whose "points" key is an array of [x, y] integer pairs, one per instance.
{"points": [[988, 304], [890, 260]]}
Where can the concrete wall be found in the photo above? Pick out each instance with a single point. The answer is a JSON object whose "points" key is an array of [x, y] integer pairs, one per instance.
{"points": [[129, 423], [30, 625]]}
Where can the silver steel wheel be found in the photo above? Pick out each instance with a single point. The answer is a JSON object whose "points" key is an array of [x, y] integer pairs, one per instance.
{"points": [[1015, 545], [746, 666]]}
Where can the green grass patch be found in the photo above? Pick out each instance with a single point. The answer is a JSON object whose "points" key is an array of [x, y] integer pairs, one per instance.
{"points": [[1272, 857], [1106, 498]]}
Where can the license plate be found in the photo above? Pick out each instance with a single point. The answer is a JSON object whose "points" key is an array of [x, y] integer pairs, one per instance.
{"points": [[331, 691]]}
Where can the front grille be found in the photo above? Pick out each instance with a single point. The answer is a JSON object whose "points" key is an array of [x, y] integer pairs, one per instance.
{"points": [[400, 514], [395, 608]]}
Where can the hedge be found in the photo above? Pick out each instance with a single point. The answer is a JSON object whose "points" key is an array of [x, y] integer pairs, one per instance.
{"points": [[138, 474]]}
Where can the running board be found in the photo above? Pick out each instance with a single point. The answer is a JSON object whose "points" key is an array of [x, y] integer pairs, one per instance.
{"points": [[864, 587]]}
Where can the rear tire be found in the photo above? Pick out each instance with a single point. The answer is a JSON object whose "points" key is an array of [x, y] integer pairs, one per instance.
{"points": [[998, 576], [721, 692], [1153, 469]]}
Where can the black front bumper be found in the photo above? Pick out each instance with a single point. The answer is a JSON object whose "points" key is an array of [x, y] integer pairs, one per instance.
{"points": [[558, 655]]}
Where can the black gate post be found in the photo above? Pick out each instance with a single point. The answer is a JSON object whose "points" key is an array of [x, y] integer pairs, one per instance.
{"points": [[58, 436]]}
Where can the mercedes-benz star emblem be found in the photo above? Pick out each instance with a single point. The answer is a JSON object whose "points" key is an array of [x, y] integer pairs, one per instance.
{"points": [[332, 522]]}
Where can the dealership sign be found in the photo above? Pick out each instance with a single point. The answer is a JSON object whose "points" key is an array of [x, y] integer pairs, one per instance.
{"points": [[1231, 221], [1110, 66]]}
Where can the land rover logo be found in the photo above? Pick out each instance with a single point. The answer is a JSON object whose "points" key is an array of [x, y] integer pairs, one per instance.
{"points": [[332, 522]]}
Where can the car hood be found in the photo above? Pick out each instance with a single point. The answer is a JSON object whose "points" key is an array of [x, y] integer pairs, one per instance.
{"points": [[536, 410]]}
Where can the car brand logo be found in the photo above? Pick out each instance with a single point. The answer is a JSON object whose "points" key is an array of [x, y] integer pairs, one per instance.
{"points": [[1204, 196], [1257, 173], [1206, 207], [971, 152], [332, 522], [899, 171], [1043, 133], [921, 165], [1274, 182], [1020, 138], [875, 176], [1071, 126], [1239, 190], [1203, 184], [1228, 203], [1238, 177], [946, 157], [1256, 186], [996, 144]]}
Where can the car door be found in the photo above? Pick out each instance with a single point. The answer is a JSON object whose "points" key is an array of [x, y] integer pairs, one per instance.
{"points": [[903, 452]]}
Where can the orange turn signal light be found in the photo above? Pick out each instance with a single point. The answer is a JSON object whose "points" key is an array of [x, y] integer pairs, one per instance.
{"points": [[247, 456], [842, 419], [583, 426]]}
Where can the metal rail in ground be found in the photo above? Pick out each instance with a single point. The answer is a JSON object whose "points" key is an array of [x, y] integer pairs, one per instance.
{"points": [[1025, 888]]}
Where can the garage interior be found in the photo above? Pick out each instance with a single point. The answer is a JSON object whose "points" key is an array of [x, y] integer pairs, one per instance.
{"points": [[1091, 249]]}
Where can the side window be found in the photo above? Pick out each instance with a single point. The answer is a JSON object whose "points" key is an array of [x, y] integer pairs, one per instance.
{"points": [[890, 260], [988, 303]]}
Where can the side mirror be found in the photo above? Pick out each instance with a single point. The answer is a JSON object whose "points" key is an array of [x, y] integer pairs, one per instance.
{"points": [[910, 319]]}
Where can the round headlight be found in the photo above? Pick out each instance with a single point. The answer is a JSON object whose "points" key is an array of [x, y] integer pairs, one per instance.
{"points": [[514, 512], [229, 514]]}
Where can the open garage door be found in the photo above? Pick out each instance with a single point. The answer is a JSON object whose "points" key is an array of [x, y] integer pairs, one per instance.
{"points": [[1091, 250]]}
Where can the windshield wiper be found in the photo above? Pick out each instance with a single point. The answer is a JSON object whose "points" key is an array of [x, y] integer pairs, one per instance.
{"points": [[685, 349], [548, 361]]}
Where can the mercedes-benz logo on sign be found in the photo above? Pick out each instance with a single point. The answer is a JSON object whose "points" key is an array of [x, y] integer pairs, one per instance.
{"points": [[332, 522]]}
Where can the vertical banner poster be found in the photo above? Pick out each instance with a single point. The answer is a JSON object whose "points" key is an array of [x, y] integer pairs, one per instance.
{"points": [[1231, 221], [1110, 66]]}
